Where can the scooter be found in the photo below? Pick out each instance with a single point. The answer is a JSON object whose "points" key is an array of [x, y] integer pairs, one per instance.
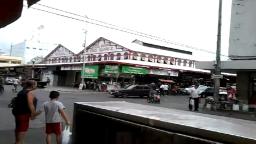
{"points": [[154, 97]]}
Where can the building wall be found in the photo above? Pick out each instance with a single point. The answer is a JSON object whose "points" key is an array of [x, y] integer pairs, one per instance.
{"points": [[28, 50], [242, 29]]}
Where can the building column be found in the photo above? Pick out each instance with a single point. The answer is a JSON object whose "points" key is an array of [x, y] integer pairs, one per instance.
{"points": [[243, 86]]}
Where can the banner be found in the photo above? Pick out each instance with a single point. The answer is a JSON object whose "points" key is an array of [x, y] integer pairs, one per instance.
{"points": [[111, 69], [134, 70], [91, 71]]}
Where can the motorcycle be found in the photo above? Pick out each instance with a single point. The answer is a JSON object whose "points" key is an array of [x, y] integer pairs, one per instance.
{"points": [[154, 96]]}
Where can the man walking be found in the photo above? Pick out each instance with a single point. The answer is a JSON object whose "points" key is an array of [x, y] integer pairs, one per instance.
{"points": [[194, 98]]}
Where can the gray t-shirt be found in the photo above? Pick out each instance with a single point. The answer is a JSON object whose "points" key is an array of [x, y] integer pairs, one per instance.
{"points": [[51, 109]]}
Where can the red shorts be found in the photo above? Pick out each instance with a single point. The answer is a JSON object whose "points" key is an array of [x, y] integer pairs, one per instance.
{"points": [[22, 122], [53, 128]]}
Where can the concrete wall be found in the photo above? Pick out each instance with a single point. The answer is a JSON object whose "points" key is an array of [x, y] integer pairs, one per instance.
{"points": [[243, 86], [242, 29]]}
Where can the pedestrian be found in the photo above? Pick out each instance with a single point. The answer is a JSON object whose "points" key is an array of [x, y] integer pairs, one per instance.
{"points": [[194, 98], [162, 90], [54, 110], [24, 109], [15, 84], [48, 81]]}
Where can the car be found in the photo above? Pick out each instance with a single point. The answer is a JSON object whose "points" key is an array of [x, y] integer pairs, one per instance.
{"points": [[132, 90], [9, 80], [210, 92]]}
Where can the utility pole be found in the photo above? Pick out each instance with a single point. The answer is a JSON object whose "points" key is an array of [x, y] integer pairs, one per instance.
{"points": [[218, 51], [84, 51]]}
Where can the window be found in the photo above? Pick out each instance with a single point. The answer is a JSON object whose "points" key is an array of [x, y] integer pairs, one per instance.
{"points": [[179, 61], [89, 58], [93, 57], [172, 61], [190, 63], [143, 56], [165, 60], [135, 56], [150, 58], [126, 55], [105, 57], [99, 57], [111, 56], [70, 60], [118, 56], [159, 59], [184, 62]]}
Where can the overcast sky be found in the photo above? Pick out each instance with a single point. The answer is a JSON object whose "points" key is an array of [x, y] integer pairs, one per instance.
{"points": [[189, 22]]}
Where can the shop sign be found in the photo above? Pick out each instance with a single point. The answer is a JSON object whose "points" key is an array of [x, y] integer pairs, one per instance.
{"points": [[173, 73], [158, 72], [134, 70], [91, 71], [109, 69]]}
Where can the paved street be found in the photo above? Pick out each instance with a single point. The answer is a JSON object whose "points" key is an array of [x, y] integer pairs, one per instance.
{"points": [[69, 96]]}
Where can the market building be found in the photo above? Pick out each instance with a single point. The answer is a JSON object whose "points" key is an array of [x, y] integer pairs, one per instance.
{"points": [[121, 62]]}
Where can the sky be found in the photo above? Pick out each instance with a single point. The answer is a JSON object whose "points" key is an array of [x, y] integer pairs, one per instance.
{"points": [[189, 22]]}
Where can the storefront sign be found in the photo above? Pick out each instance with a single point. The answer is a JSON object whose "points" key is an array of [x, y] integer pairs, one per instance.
{"points": [[134, 70], [173, 73], [109, 69], [158, 72], [91, 71]]}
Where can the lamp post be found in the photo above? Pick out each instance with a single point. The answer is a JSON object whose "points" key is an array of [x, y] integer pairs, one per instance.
{"points": [[218, 50]]}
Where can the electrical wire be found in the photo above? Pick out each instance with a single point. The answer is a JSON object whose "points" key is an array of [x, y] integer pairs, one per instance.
{"points": [[115, 27]]}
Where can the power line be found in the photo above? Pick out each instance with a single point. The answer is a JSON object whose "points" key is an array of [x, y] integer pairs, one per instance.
{"points": [[118, 28]]}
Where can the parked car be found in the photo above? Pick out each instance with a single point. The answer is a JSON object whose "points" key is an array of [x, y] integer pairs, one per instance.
{"points": [[9, 80], [132, 90], [210, 92]]}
